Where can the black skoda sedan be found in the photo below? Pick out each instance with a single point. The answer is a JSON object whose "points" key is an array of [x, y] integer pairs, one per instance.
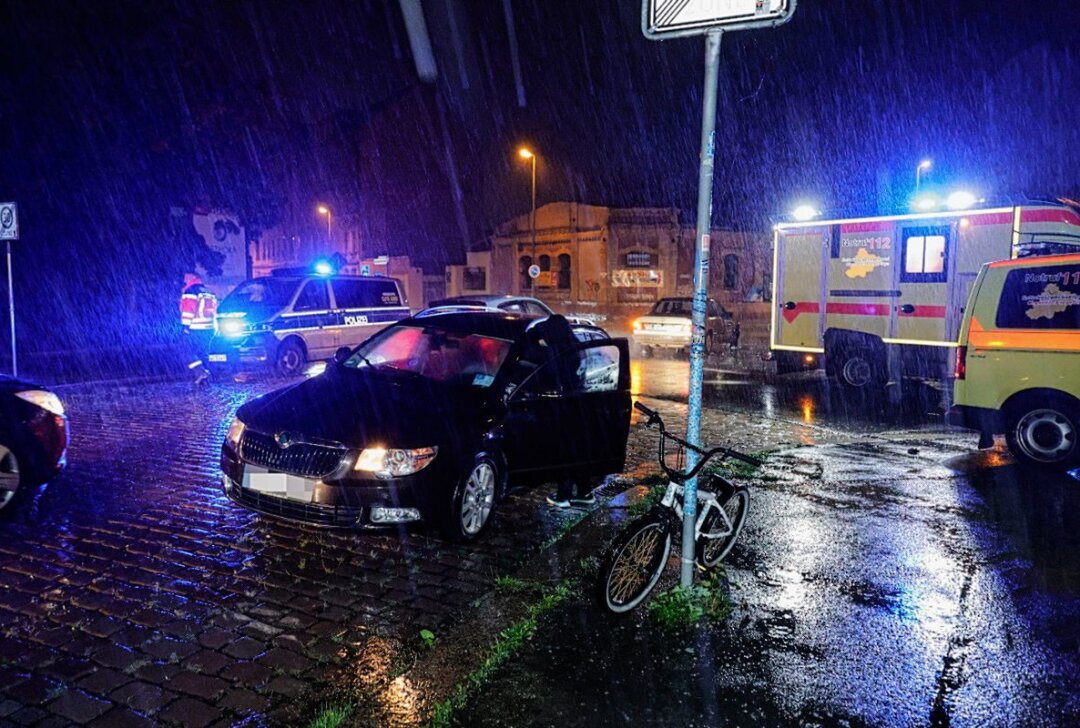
{"points": [[434, 418]]}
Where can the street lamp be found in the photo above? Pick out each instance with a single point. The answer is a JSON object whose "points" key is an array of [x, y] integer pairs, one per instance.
{"points": [[324, 210], [923, 165], [526, 153]]}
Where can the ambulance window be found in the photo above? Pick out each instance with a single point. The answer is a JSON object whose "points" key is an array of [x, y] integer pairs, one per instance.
{"points": [[925, 255], [1041, 298], [313, 297]]}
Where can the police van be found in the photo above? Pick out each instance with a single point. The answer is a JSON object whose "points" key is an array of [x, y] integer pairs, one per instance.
{"points": [[284, 321]]}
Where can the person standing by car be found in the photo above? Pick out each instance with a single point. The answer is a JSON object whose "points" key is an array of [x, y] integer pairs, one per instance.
{"points": [[198, 306]]}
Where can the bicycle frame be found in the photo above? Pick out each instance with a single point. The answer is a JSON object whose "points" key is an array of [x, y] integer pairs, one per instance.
{"points": [[673, 500]]}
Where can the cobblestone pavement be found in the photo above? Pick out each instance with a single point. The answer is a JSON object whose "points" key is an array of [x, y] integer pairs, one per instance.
{"points": [[132, 592]]}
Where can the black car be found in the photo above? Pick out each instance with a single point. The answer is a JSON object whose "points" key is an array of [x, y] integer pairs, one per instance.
{"points": [[33, 437], [434, 419]]}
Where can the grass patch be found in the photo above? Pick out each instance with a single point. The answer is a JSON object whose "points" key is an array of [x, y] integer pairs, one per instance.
{"points": [[506, 644], [428, 637], [331, 717], [733, 468], [506, 584], [684, 606], [564, 528]]}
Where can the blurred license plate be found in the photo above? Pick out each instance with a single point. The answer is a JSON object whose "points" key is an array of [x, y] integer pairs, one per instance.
{"points": [[219, 357], [281, 485]]}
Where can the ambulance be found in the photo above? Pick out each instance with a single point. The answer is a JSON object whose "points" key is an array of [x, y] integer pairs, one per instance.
{"points": [[875, 300]]}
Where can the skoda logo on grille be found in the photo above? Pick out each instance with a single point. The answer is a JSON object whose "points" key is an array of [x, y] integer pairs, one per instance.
{"points": [[286, 439]]}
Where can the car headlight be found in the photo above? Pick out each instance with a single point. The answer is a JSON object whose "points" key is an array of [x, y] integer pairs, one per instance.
{"points": [[45, 400], [231, 327], [236, 430], [393, 463], [637, 325]]}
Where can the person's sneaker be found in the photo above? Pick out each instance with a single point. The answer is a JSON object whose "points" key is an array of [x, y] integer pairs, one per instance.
{"points": [[584, 500], [555, 500]]}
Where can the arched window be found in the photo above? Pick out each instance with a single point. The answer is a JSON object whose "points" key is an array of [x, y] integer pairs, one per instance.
{"points": [[564, 271], [545, 262], [731, 271], [524, 263]]}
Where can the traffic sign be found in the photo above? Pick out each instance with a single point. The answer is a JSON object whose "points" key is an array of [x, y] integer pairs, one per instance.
{"points": [[9, 221], [534, 271], [662, 19]]}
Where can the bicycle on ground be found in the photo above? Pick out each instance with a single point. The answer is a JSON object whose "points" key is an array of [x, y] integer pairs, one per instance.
{"points": [[636, 559]]}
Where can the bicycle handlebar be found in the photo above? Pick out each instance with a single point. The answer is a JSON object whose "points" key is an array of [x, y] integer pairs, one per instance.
{"points": [[706, 455]]}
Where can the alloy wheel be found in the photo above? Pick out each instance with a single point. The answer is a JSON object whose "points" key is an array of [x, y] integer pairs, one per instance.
{"points": [[477, 498], [9, 475]]}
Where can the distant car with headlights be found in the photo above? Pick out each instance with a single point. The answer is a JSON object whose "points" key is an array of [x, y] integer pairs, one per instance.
{"points": [[435, 418], [667, 326], [512, 304], [33, 437], [284, 321]]}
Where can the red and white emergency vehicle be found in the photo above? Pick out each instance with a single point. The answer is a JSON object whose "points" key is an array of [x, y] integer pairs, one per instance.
{"points": [[877, 299]]}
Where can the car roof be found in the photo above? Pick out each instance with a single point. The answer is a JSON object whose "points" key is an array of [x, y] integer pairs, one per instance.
{"points": [[499, 324], [483, 300]]}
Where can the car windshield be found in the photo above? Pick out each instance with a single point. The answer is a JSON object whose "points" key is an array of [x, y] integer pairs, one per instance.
{"points": [[434, 353], [259, 293], [672, 307]]}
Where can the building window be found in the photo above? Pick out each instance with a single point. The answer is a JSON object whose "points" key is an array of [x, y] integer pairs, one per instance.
{"points": [[474, 279], [524, 263], [545, 263], [638, 259], [731, 271], [564, 272]]}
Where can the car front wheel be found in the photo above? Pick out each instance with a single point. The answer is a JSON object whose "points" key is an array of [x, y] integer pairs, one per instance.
{"points": [[473, 501], [290, 358], [10, 476]]}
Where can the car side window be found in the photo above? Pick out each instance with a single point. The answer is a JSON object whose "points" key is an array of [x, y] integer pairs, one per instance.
{"points": [[536, 309], [598, 370], [515, 307], [557, 376], [313, 298]]}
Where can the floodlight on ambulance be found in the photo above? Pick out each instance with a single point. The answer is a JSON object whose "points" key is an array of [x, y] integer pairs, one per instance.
{"points": [[805, 213], [925, 203], [960, 200]]}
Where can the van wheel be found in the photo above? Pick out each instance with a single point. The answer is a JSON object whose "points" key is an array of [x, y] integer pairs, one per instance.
{"points": [[1045, 433], [646, 352], [290, 358], [11, 477], [859, 369]]}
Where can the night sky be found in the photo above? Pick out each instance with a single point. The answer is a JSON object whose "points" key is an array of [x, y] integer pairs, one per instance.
{"points": [[115, 112]]}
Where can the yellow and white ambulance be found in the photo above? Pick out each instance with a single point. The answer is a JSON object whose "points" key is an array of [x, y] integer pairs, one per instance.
{"points": [[1018, 360], [877, 299]]}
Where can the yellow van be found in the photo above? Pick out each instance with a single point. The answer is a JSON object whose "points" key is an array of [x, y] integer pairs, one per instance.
{"points": [[1018, 362]]}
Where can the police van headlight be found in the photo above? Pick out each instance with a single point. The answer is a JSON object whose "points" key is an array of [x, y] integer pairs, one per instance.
{"points": [[231, 327], [392, 463]]}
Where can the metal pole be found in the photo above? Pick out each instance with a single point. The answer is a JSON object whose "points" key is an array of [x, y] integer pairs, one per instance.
{"points": [[918, 174], [532, 217], [701, 286], [11, 309]]}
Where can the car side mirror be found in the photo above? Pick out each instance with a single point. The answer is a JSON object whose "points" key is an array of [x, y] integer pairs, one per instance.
{"points": [[342, 355]]}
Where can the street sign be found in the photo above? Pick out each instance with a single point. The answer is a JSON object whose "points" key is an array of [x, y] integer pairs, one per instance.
{"points": [[662, 19], [9, 221], [534, 271]]}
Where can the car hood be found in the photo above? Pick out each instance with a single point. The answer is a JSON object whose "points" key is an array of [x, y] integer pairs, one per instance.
{"points": [[361, 407]]}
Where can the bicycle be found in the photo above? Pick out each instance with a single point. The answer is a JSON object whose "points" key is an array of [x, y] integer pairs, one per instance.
{"points": [[636, 559]]}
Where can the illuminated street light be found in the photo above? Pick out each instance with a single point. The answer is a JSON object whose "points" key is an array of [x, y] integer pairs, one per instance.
{"points": [[923, 165], [324, 210], [526, 153], [926, 203], [804, 213]]}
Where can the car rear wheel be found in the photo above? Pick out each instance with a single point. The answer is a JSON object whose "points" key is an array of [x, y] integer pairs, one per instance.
{"points": [[1045, 433], [646, 352], [473, 502], [290, 358], [10, 476]]}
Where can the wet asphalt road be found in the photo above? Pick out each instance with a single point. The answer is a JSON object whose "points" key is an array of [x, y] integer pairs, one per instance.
{"points": [[889, 574]]}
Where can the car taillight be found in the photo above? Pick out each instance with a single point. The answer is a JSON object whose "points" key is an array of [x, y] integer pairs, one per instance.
{"points": [[961, 362]]}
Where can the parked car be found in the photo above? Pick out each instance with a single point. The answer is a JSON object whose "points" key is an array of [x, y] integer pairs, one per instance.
{"points": [[667, 326], [435, 418], [33, 437], [285, 321], [514, 304], [1018, 362]]}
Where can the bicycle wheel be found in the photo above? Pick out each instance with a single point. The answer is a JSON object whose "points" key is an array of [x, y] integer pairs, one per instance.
{"points": [[634, 562], [709, 552]]}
